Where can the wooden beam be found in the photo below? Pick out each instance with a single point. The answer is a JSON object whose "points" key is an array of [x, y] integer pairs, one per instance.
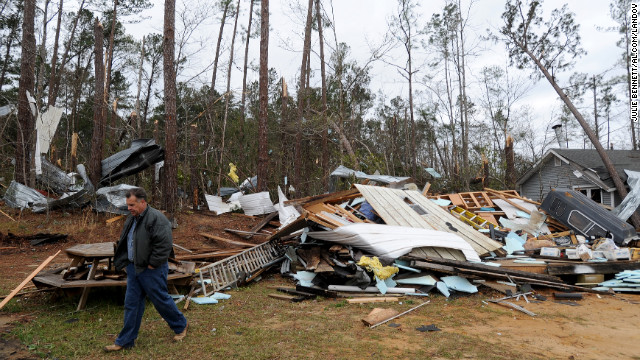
{"points": [[209, 255], [427, 186], [366, 300], [25, 281], [261, 224], [228, 241], [609, 267], [114, 219], [506, 194], [7, 215], [499, 195]]}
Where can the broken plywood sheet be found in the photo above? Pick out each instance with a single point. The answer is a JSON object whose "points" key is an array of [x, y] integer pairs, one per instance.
{"points": [[394, 208]]}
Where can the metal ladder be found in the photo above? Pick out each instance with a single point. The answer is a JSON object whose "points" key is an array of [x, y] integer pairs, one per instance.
{"points": [[223, 273], [470, 218]]}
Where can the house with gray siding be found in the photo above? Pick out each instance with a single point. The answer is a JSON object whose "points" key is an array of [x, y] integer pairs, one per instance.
{"points": [[578, 169]]}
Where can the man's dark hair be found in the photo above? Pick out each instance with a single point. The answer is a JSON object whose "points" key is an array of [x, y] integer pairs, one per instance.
{"points": [[139, 193]]}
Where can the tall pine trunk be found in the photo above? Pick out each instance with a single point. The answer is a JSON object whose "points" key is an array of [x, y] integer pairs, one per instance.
{"points": [[54, 56], [26, 120], [227, 97], [97, 140], [297, 171], [171, 133], [325, 130], [263, 159], [215, 61], [244, 76], [54, 83]]}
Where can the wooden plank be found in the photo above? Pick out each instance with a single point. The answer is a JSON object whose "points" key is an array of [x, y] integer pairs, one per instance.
{"points": [[502, 197], [96, 250], [322, 197], [209, 255], [287, 297], [261, 224], [510, 194], [85, 292], [425, 191], [114, 219], [228, 241], [609, 267], [25, 281], [7, 215], [367, 300], [377, 315]]}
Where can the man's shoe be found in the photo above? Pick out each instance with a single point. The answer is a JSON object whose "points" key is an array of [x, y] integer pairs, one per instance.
{"points": [[113, 348], [181, 336]]}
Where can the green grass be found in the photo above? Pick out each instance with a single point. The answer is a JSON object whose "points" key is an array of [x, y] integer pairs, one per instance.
{"points": [[251, 325]]}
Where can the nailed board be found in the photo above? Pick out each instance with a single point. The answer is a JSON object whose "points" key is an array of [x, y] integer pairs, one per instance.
{"points": [[393, 207]]}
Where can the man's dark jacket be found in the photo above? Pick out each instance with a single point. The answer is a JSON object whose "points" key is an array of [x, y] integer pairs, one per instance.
{"points": [[152, 241]]}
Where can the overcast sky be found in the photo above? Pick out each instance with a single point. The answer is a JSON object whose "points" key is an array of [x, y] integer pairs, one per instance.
{"points": [[362, 23]]}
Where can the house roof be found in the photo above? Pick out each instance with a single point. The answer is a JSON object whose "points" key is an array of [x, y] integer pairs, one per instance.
{"points": [[589, 163]]}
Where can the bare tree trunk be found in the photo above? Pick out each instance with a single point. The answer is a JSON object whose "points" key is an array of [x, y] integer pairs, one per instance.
{"points": [[138, 117], [54, 57], [595, 107], [26, 119], [244, 76], [107, 79], [227, 97], [193, 147], [171, 131], [54, 84], [43, 58], [622, 190], [263, 159], [97, 139], [325, 130], [465, 109], [215, 61], [510, 172], [5, 64], [297, 171]]}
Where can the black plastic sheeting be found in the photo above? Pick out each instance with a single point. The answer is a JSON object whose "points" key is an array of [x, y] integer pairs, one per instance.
{"points": [[142, 154]]}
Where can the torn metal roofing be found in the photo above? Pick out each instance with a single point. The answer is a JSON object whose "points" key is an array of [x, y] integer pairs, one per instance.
{"points": [[387, 241], [142, 154], [345, 172]]}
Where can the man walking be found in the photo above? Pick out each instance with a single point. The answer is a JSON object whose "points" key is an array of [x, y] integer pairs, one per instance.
{"points": [[143, 249]]}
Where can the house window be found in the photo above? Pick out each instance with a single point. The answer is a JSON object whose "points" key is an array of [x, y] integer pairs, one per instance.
{"points": [[557, 161], [594, 194]]}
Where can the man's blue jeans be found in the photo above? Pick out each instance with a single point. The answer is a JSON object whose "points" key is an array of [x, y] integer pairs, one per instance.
{"points": [[151, 283]]}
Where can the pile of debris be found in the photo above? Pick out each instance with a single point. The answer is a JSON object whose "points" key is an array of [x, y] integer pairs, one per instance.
{"points": [[59, 190], [385, 242]]}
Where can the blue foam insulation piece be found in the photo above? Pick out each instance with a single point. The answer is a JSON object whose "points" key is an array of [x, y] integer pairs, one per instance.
{"points": [[204, 300], [459, 284], [381, 285], [442, 287], [221, 296], [427, 280], [441, 202], [304, 278]]}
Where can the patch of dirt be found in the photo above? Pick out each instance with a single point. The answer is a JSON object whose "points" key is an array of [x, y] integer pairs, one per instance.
{"points": [[12, 349], [599, 328]]}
